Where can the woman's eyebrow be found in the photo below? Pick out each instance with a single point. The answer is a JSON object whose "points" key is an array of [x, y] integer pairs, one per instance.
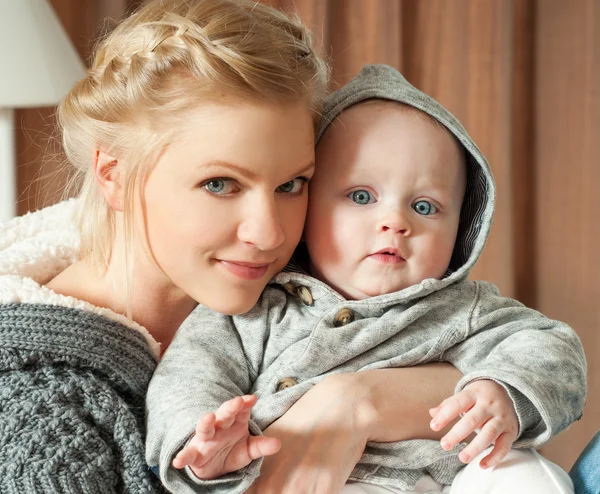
{"points": [[244, 171], [307, 168], [230, 166]]}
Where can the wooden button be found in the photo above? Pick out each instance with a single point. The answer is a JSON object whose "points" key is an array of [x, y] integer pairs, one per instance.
{"points": [[304, 295], [343, 317], [290, 288], [285, 383]]}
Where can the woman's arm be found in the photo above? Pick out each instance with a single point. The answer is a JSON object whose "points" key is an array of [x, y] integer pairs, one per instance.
{"points": [[396, 402], [324, 434]]}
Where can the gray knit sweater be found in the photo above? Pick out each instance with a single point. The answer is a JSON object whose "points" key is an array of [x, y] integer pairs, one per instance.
{"points": [[72, 378]]}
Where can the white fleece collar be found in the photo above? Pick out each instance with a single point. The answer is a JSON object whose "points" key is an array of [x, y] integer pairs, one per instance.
{"points": [[36, 247]]}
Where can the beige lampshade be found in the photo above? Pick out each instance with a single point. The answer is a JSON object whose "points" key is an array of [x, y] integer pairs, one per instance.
{"points": [[38, 63]]}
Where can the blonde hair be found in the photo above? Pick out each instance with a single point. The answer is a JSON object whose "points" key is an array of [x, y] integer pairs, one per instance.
{"points": [[165, 58]]}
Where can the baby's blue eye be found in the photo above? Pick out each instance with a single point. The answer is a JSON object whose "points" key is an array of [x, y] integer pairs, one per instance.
{"points": [[361, 197], [424, 208], [219, 186]]}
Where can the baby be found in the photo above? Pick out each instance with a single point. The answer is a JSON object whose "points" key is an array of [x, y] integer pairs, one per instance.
{"points": [[400, 209]]}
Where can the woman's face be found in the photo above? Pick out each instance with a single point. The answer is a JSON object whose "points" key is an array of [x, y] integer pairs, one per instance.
{"points": [[225, 205]]}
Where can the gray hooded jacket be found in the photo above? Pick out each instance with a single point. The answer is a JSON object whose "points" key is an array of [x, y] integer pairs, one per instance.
{"points": [[301, 331]]}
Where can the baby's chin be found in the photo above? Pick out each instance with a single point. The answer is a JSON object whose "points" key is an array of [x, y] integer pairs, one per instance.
{"points": [[373, 290], [370, 290], [363, 286]]}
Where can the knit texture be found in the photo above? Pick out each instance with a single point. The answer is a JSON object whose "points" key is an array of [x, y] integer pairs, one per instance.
{"points": [[72, 387]]}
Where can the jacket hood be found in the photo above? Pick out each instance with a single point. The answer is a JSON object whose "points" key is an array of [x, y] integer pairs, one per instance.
{"points": [[386, 83]]}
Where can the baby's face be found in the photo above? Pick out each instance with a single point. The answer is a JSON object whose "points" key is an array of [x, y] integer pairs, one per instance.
{"points": [[384, 203]]}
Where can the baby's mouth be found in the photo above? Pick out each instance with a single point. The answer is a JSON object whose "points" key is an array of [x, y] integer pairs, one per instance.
{"points": [[388, 255]]}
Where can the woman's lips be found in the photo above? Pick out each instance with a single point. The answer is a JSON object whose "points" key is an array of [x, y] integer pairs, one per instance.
{"points": [[246, 270]]}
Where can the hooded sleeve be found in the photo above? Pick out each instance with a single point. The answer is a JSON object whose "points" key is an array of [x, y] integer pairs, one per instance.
{"points": [[204, 366], [539, 361]]}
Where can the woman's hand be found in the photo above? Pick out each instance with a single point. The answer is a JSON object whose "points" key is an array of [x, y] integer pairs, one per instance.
{"points": [[324, 434], [322, 438]]}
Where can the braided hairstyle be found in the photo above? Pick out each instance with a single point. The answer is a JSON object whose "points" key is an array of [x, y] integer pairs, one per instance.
{"points": [[162, 60]]}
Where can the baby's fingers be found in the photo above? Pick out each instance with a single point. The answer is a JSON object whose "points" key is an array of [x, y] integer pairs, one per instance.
{"points": [[249, 400], [246, 412], [255, 447], [465, 426], [501, 448], [226, 413], [449, 409], [187, 456], [486, 436], [259, 446], [205, 429]]}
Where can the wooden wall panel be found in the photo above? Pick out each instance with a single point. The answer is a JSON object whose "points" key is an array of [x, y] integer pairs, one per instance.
{"points": [[567, 188], [523, 153], [361, 32]]}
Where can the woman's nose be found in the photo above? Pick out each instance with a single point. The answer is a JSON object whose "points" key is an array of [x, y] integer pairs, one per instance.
{"points": [[261, 226]]}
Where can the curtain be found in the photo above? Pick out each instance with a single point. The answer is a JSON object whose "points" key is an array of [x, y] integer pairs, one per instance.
{"points": [[523, 76]]}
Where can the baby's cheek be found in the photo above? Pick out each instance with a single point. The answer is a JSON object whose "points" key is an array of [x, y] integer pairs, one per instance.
{"points": [[436, 262]]}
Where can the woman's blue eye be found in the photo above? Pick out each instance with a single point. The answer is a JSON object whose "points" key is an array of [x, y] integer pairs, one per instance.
{"points": [[293, 187], [424, 208], [361, 197], [219, 186]]}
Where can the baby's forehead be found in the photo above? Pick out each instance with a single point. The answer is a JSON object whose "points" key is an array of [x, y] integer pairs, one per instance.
{"points": [[380, 108], [361, 118], [355, 122]]}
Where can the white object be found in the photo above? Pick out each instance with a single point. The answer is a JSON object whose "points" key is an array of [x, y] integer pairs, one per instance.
{"points": [[38, 66], [523, 471]]}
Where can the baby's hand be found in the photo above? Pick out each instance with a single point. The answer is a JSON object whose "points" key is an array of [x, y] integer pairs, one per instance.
{"points": [[486, 406], [222, 442]]}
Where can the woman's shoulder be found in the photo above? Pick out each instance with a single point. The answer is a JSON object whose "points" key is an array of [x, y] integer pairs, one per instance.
{"points": [[72, 398], [34, 337]]}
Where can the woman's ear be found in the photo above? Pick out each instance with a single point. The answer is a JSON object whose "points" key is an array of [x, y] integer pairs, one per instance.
{"points": [[109, 176]]}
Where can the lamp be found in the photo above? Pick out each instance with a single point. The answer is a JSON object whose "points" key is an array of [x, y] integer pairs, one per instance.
{"points": [[38, 66]]}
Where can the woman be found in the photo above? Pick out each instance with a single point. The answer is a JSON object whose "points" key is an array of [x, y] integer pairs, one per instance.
{"points": [[181, 100]]}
